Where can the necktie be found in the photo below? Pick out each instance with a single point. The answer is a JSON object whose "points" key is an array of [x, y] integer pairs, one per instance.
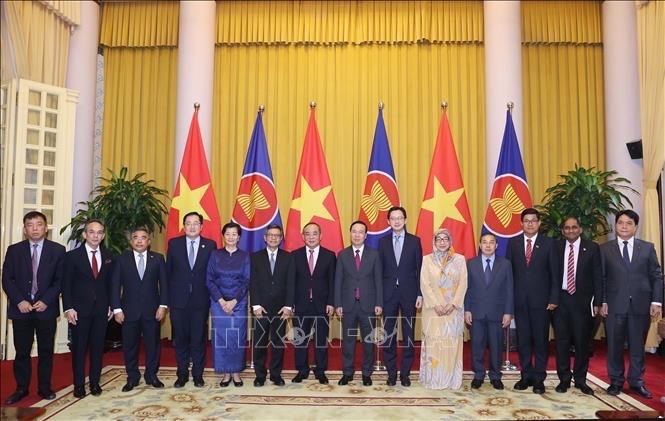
{"points": [[570, 271], [190, 256], [272, 262], [35, 266], [488, 271], [95, 266], [357, 259], [141, 266], [398, 248], [310, 261], [529, 251], [626, 256]]}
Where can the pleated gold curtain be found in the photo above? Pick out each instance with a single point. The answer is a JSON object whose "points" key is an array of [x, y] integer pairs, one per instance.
{"points": [[348, 56], [562, 59]]}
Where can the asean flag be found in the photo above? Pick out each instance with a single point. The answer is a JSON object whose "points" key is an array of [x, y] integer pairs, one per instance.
{"points": [[313, 197], [193, 190], [444, 203]]}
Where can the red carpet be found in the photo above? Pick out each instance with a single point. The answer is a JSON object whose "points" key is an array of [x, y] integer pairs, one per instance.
{"points": [[62, 375]]}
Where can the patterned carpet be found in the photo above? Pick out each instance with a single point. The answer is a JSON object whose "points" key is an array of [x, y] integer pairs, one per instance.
{"points": [[310, 400]]}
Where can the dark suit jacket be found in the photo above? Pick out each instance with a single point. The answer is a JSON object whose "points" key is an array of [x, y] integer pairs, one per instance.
{"points": [[534, 285], [369, 279], [491, 300], [321, 282], [588, 274], [80, 290], [272, 291], [188, 286], [408, 271], [633, 288], [17, 278], [139, 298]]}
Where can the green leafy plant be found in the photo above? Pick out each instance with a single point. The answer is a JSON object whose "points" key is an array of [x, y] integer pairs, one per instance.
{"points": [[122, 204], [588, 194]]}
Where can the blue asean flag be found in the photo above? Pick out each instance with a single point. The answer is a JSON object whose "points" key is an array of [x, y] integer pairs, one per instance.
{"points": [[380, 192], [510, 192], [256, 202]]}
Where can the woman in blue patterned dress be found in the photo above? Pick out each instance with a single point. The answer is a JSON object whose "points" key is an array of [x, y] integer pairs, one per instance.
{"points": [[228, 282]]}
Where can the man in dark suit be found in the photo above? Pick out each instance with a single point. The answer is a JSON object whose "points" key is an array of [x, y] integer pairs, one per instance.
{"points": [[577, 273], [488, 308], [314, 293], [271, 281], [85, 298], [31, 278], [189, 299], [358, 300], [632, 294], [536, 293], [139, 297], [401, 258]]}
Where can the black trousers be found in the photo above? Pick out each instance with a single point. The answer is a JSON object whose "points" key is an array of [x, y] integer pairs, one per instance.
{"points": [[303, 325], [131, 338], [483, 333], [269, 330], [620, 327], [391, 312], [89, 333], [572, 326], [533, 330], [190, 334], [24, 333]]}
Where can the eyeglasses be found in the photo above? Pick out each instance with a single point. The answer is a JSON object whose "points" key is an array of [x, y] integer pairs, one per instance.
{"points": [[530, 221], [396, 218], [274, 235], [441, 239]]}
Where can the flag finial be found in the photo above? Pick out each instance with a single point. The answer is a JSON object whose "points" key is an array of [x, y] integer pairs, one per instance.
{"points": [[510, 106], [197, 106], [444, 105], [380, 105], [312, 104], [262, 108]]}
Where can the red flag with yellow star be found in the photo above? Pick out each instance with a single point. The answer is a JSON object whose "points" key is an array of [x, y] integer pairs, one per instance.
{"points": [[444, 203], [313, 197], [193, 189]]}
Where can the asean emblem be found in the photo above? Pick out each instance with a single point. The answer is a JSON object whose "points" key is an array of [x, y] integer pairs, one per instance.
{"points": [[510, 196], [380, 195], [256, 204]]}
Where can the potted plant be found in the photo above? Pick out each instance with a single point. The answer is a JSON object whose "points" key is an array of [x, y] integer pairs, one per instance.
{"points": [[588, 194]]}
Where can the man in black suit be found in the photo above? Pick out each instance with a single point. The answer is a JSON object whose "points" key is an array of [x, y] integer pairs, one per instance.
{"points": [[536, 294], [272, 279], [358, 300], [401, 258], [189, 299], [632, 294], [577, 273], [85, 298], [139, 297], [314, 293], [488, 308], [31, 278]]}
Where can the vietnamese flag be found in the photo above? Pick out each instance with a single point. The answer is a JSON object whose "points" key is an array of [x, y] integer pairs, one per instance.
{"points": [[193, 189], [444, 202], [313, 197]]}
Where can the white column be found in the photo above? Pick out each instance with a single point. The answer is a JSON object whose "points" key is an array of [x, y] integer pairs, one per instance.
{"points": [[196, 62], [503, 76], [81, 76], [622, 92]]}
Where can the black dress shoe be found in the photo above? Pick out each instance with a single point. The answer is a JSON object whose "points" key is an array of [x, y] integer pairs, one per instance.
{"points": [[238, 383], [95, 390], [79, 391], [367, 380], [16, 396], [476, 383], [539, 388], [259, 381], [180, 382], [322, 379], [522, 384], [155, 383], [497, 384], [46, 394], [128, 387], [614, 390], [225, 383], [405, 380], [392, 381], [344, 380], [298, 378], [584, 388], [198, 382], [277, 381], [642, 391], [562, 387]]}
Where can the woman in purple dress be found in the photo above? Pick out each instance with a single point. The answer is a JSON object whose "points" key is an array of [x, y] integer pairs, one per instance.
{"points": [[228, 282]]}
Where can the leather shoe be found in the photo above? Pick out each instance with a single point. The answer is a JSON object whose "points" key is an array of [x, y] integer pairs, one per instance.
{"points": [[476, 383], [79, 391], [156, 383], [259, 381], [562, 387], [129, 386], [95, 390], [497, 384], [198, 382], [584, 388], [180, 382], [344, 380], [642, 391], [322, 379], [405, 380], [367, 380], [392, 381], [16, 396], [227, 382], [277, 381], [46, 394], [298, 378], [614, 390], [522, 384], [238, 383], [539, 388]]}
